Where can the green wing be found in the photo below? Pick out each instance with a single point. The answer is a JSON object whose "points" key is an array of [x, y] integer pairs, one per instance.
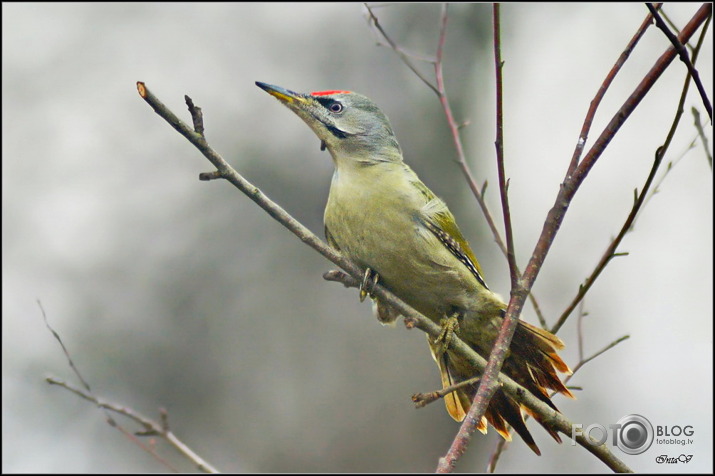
{"points": [[439, 220]]}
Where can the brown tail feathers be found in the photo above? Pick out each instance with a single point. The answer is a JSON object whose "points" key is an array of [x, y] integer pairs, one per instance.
{"points": [[533, 362]]}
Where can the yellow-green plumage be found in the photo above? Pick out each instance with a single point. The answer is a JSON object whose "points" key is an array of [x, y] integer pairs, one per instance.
{"points": [[392, 239], [381, 216]]}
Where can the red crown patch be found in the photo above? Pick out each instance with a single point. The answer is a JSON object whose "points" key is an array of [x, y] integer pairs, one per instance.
{"points": [[328, 93]]}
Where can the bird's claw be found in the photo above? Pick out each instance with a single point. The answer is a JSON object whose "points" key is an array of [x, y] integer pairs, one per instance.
{"points": [[369, 281], [449, 325]]}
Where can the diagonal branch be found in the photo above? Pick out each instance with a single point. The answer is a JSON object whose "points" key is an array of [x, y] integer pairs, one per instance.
{"points": [[501, 444], [571, 183], [683, 54], [611, 250], [639, 202], [597, 354], [412, 317], [403, 54], [150, 426], [596, 101]]}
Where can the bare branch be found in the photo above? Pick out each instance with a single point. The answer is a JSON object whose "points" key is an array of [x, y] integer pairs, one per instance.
{"points": [[499, 144], [600, 352], [639, 200], [404, 56], [423, 399], [701, 135], [150, 426], [57, 337], [596, 101], [502, 444], [488, 383], [88, 395], [455, 129], [494, 458], [610, 252], [412, 318], [683, 54], [572, 182]]}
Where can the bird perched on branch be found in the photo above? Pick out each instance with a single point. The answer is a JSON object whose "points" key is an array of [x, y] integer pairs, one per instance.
{"points": [[381, 216]]}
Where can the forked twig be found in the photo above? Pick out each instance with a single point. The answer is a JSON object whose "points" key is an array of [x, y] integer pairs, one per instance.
{"points": [[150, 427], [683, 54]]}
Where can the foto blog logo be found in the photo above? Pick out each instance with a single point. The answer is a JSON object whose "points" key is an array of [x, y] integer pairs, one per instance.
{"points": [[633, 434]]}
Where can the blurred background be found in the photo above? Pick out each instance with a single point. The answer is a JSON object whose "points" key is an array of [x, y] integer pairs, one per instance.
{"points": [[175, 293]]}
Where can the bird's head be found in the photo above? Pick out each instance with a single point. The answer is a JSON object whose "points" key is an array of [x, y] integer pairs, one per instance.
{"points": [[350, 125]]}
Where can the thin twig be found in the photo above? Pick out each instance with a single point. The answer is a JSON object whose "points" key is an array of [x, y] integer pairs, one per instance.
{"points": [[610, 252], [596, 101], [499, 145], [87, 394], [702, 136], [423, 399], [70, 361], [655, 189], [455, 129], [683, 54], [151, 427], [605, 349], [488, 383], [638, 203], [496, 454], [403, 54]]}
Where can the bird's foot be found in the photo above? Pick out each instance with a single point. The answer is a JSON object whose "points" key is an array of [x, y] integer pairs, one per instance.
{"points": [[449, 325], [369, 281]]}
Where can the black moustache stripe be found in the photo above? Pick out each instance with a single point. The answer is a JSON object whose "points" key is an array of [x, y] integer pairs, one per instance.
{"points": [[336, 132]]}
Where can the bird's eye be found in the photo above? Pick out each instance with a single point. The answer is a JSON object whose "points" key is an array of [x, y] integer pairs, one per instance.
{"points": [[336, 107]]}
